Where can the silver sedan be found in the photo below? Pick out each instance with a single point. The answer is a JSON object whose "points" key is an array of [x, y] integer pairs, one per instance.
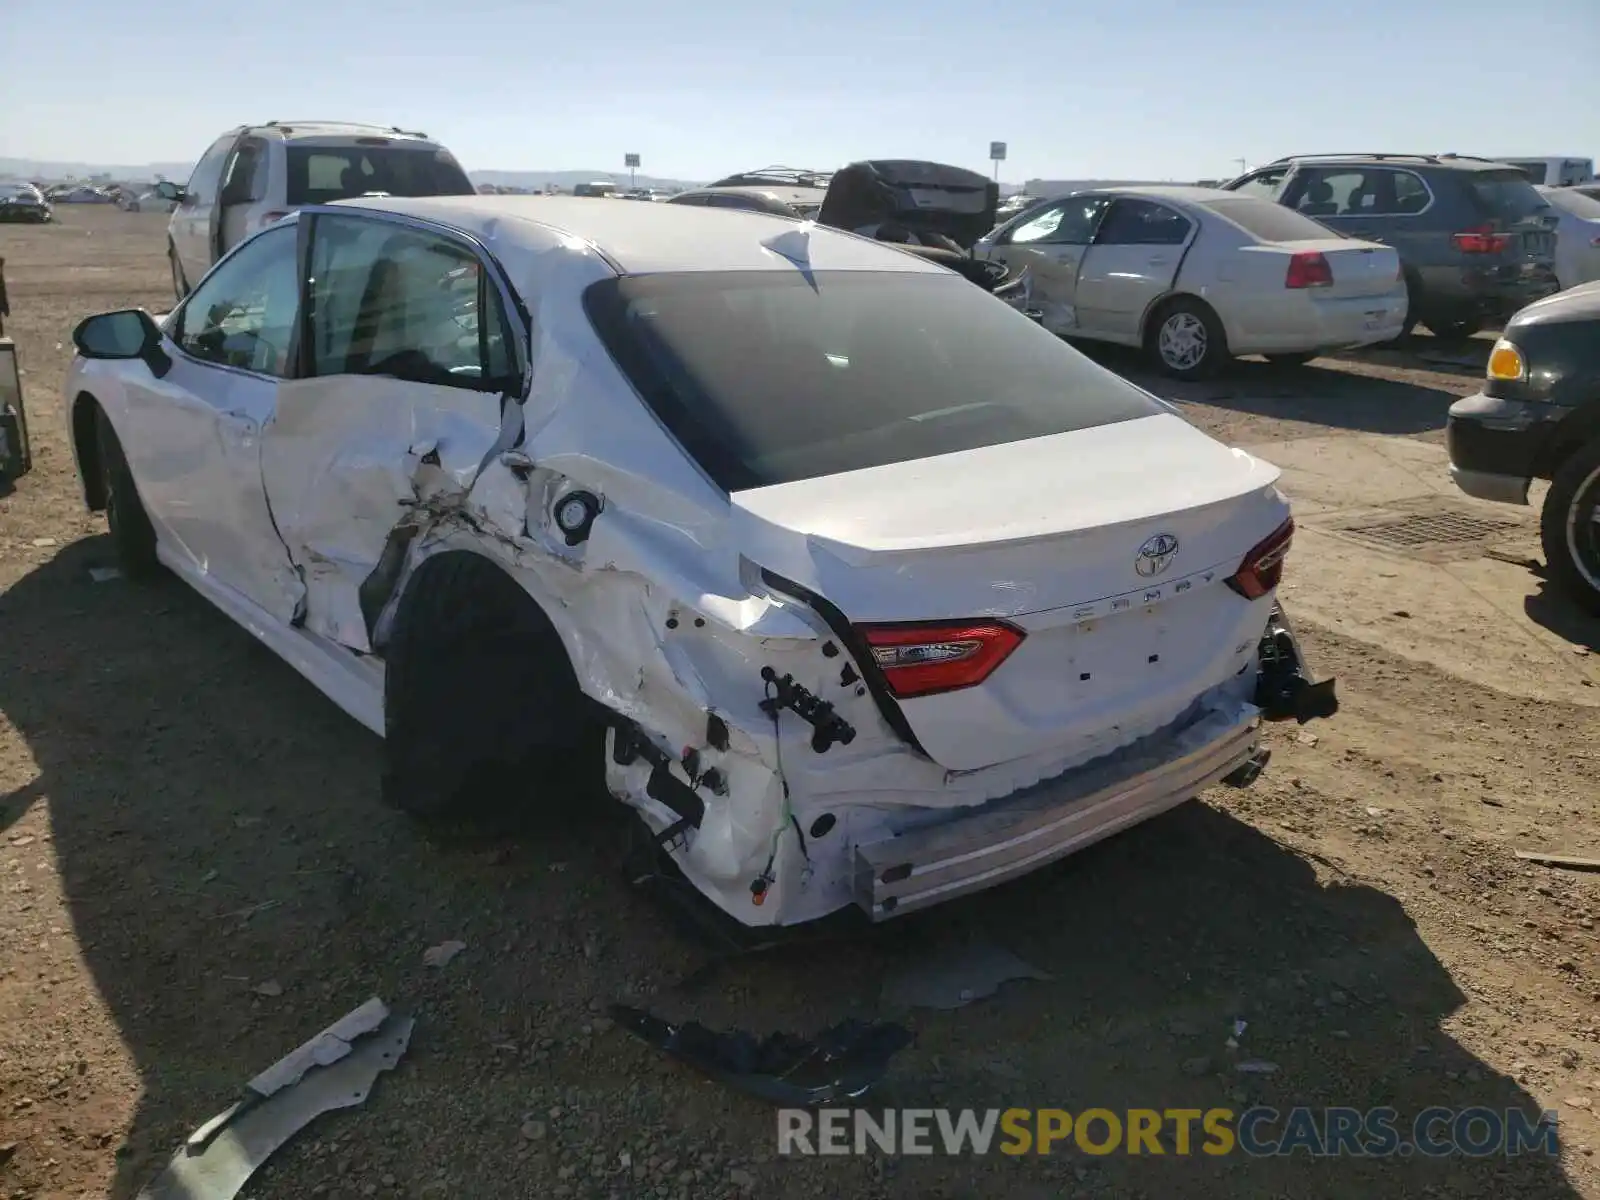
{"points": [[1196, 276]]}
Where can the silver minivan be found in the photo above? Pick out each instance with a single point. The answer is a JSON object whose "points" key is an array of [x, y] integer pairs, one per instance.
{"points": [[254, 175]]}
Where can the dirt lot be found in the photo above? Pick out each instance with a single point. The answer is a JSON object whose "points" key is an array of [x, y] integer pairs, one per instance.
{"points": [[183, 820]]}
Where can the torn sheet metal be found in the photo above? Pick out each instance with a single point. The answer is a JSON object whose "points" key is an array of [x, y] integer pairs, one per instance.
{"points": [[841, 1063], [348, 458], [328, 1047], [302, 1086]]}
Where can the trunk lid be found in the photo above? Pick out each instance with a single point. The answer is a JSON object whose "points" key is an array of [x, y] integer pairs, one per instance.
{"points": [[1107, 547], [1511, 205]]}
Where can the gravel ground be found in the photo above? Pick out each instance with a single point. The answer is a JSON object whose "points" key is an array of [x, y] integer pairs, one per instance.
{"points": [[197, 875]]}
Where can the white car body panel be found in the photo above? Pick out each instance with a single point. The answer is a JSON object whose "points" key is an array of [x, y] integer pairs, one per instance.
{"points": [[1106, 292], [664, 611], [1577, 235]]}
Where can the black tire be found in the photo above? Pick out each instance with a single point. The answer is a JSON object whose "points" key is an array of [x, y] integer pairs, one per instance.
{"points": [[482, 712], [1291, 360], [180, 286], [1194, 328], [132, 536], [1569, 527], [1457, 329]]}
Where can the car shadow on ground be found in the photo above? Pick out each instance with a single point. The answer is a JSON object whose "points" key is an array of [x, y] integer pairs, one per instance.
{"points": [[216, 827], [1551, 608], [1313, 394]]}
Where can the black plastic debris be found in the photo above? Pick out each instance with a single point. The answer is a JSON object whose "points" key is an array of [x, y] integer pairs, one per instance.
{"points": [[841, 1063]]}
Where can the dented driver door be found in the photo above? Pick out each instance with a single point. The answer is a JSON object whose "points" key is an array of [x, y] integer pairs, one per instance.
{"points": [[409, 358]]}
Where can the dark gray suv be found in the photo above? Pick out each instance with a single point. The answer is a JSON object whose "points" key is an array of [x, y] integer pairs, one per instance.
{"points": [[1475, 239]]}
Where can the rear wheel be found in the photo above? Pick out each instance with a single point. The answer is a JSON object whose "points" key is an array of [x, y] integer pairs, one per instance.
{"points": [[132, 535], [1186, 339], [1569, 527], [482, 711]]}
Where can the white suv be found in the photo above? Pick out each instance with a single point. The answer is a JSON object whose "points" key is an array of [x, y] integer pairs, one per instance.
{"points": [[255, 174]]}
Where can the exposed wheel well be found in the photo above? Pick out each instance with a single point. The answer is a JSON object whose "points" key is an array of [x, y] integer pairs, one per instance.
{"points": [[85, 419], [466, 575], [1570, 438]]}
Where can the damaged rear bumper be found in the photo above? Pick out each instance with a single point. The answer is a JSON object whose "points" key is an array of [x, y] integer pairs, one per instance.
{"points": [[1050, 820]]}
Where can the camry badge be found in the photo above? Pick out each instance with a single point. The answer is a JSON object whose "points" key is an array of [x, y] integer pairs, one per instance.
{"points": [[1156, 555]]}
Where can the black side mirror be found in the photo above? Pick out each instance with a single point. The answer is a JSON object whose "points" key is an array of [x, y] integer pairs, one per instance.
{"points": [[168, 190], [125, 334]]}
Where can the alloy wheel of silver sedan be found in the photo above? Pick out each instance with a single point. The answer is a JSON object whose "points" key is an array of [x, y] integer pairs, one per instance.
{"points": [[1183, 341]]}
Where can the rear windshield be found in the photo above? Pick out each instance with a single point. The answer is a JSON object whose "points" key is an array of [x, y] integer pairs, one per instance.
{"points": [[323, 174], [1505, 194], [1268, 221], [771, 377], [1574, 202]]}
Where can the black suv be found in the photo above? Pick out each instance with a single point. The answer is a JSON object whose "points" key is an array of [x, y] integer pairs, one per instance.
{"points": [[1538, 417], [1477, 242]]}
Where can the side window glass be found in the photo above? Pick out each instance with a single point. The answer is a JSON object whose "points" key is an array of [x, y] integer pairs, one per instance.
{"points": [[1410, 193], [1070, 223], [243, 314], [1142, 223], [1266, 184], [245, 170], [387, 300], [1337, 192], [207, 175]]}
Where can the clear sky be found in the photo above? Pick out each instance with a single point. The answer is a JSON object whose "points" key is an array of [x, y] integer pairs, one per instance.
{"points": [[1146, 88]]}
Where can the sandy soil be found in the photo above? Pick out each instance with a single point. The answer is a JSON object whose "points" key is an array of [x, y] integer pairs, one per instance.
{"points": [[184, 820]]}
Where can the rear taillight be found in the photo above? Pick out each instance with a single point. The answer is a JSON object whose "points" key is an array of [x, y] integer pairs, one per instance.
{"points": [[920, 659], [1481, 240], [1308, 269], [1261, 569]]}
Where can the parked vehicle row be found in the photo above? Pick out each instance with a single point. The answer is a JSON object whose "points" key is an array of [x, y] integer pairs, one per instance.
{"points": [[777, 506]]}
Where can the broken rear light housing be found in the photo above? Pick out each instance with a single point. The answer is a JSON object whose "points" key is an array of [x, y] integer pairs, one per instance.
{"points": [[925, 658], [1262, 567]]}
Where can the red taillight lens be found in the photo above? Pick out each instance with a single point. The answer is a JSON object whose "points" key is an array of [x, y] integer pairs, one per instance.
{"points": [[1481, 240], [1262, 567], [1308, 269], [267, 218], [918, 660]]}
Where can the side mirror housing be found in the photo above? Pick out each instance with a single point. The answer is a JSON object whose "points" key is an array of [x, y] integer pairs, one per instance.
{"points": [[125, 334], [168, 190]]}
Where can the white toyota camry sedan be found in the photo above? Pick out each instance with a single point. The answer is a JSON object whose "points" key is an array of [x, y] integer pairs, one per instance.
{"points": [[1196, 276], [879, 592]]}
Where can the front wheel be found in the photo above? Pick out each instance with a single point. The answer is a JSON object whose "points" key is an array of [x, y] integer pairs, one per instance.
{"points": [[1186, 339], [132, 535], [1569, 527]]}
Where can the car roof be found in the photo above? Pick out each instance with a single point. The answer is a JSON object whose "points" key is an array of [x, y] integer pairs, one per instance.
{"points": [[1448, 162], [1175, 191], [640, 239], [293, 131]]}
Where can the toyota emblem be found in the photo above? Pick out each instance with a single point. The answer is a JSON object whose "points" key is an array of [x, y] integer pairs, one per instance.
{"points": [[1156, 555]]}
